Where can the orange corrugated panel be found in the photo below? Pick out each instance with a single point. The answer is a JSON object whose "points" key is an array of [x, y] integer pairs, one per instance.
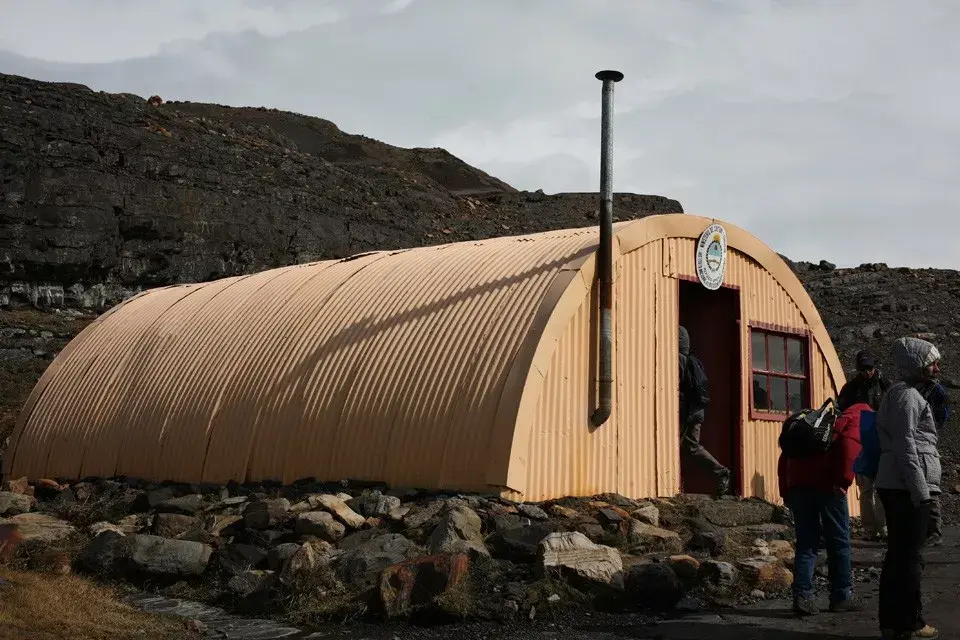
{"points": [[636, 375], [667, 383]]}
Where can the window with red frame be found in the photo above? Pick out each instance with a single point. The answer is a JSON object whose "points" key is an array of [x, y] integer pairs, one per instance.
{"points": [[781, 380]]}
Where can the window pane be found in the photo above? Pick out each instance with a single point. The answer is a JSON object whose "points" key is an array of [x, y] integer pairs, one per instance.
{"points": [[778, 356], [778, 395], [798, 394], [759, 350], [796, 356], [760, 400]]}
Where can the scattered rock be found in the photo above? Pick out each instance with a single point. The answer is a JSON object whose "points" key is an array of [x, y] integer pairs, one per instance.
{"points": [[264, 514], [705, 537], [532, 511], [278, 556], [571, 555], [221, 523], [374, 504], [238, 557], [419, 516], [418, 582], [732, 513], [112, 553], [722, 574], [645, 538], [654, 585], [20, 486], [647, 513], [459, 531], [360, 566], [764, 572], [10, 539], [519, 544], [102, 527], [320, 524], [39, 527], [173, 525], [14, 504], [336, 506], [154, 498], [310, 557], [560, 511], [686, 567], [187, 505]]}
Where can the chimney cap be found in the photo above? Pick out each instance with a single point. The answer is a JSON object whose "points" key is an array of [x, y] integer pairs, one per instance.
{"points": [[609, 74]]}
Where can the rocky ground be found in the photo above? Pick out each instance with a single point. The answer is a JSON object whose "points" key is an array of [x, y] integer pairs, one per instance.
{"points": [[312, 554]]}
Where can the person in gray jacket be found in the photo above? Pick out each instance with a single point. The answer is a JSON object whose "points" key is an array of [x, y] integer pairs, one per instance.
{"points": [[908, 477]]}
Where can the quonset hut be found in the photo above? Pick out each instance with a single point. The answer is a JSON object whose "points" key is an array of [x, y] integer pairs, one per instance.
{"points": [[470, 366]]}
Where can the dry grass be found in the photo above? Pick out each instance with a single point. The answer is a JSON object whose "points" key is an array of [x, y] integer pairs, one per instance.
{"points": [[44, 607]]}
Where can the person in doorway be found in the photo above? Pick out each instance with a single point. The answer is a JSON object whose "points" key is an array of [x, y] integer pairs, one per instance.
{"points": [[814, 488], [868, 386], [693, 402], [934, 392], [908, 478]]}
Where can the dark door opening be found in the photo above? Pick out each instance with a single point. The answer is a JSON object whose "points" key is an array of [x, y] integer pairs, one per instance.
{"points": [[713, 320]]}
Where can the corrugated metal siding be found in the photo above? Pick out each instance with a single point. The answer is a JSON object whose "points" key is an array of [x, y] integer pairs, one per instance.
{"points": [[387, 367], [667, 383]]}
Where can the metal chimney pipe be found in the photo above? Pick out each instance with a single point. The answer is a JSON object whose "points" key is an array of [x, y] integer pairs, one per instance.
{"points": [[605, 250]]}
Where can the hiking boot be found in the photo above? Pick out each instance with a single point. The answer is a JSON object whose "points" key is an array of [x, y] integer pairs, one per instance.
{"points": [[843, 606], [723, 483], [805, 607]]}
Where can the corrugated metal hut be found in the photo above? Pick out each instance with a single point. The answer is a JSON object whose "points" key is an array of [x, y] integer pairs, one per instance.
{"points": [[471, 365]]}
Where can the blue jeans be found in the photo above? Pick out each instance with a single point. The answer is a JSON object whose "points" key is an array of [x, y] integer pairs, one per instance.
{"points": [[821, 513]]}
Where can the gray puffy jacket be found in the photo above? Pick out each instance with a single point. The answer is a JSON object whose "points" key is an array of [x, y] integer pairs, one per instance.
{"points": [[909, 459]]}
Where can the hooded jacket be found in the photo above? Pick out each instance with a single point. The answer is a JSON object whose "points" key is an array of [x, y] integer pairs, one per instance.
{"points": [[688, 414], [829, 471], [906, 427]]}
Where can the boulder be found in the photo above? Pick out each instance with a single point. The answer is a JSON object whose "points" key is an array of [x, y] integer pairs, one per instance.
{"points": [[520, 544], [264, 514], [572, 556], [149, 555], [783, 551], [172, 525], [238, 557], [41, 528], [155, 497], [130, 524], [399, 513], [222, 522], [720, 574], [14, 504], [374, 504], [767, 531], [590, 528], [687, 569], [279, 555], [158, 556], [764, 572], [320, 524], [647, 513], [418, 582], [420, 516], [654, 585], [339, 509], [20, 485], [186, 505], [459, 531], [360, 564], [312, 556], [705, 537], [645, 538]]}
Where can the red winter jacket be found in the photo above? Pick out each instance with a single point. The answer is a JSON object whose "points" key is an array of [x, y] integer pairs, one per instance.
{"points": [[832, 470]]}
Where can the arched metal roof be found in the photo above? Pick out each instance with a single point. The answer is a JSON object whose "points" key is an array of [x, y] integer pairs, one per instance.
{"points": [[418, 367]]}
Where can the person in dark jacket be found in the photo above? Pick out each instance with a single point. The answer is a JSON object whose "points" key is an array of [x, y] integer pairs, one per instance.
{"points": [[908, 479], [935, 393], [692, 415], [868, 387], [814, 488]]}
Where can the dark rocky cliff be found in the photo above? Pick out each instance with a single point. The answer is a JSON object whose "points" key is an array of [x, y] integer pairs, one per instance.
{"points": [[104, 194]]}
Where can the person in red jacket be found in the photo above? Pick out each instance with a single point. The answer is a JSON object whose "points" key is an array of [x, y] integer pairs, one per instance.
{"points": [[814, 488]]}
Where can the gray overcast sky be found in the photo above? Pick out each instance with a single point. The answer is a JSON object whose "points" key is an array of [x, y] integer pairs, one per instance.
{"points": [[829, 128]]}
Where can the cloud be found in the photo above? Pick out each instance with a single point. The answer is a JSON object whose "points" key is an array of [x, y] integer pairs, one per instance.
{"points": [[828, 128]]}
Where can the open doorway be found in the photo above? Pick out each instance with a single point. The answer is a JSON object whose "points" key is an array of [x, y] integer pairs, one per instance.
{"points": [[713, 320]]}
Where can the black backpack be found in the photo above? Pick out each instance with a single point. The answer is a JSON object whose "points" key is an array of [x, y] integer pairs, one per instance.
{"points": [[694, 385], [809, 432]]}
